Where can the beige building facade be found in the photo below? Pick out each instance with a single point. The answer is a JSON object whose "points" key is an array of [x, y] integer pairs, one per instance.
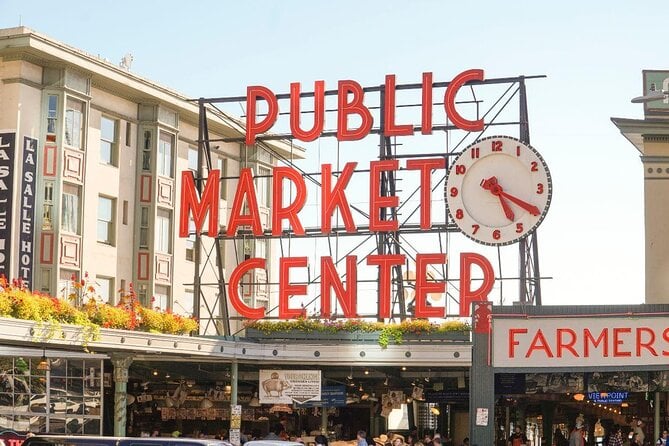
{"points": [[92, 182]]}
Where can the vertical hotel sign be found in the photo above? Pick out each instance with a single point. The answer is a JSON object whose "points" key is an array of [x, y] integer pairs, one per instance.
{"points": [[7, 153], [26, 242]]}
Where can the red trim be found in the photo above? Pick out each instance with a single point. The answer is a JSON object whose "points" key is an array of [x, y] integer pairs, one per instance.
{"points": [[50, 154], [145, 195], [46, 255], [143, 260]]}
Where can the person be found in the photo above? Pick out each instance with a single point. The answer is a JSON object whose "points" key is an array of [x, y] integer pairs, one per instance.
{"points": [[519, 438], [576, 437], [639, 435], [616, 438], [361, 438], [662, 441], [397, 440], [559, 439], [465, 442], [275, 434], [321, 440]]}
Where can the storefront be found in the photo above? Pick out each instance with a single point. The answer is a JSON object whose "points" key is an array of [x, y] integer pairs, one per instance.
{"points": [[545, 368]]}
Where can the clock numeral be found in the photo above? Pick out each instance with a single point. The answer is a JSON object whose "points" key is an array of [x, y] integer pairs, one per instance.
{"points": [[475, 229], [540, 188], [535, 166], [517, 150], [497, 146], [454, 191], [475, 152], [460, 169], [519, 228], [459, 214], [496, 234]]}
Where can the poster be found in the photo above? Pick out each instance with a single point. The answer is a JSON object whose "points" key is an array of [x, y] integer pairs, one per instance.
{"points": [[288, 386], [481, 416], [235, 424]]}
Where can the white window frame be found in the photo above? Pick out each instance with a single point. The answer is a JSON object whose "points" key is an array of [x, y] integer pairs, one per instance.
{"points": [[70, 217], [108, 220], [165, 154], [112, 144], [163, 242], [75, 119]]}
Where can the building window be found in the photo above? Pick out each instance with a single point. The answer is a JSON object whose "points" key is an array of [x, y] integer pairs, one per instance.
{"points": [[165, 148], [161, 298], [70, 209], [52, 114], [262, 186], [222, 165], [146, 152], [74, 123], [66, 280], [190, 241], [108, 144], [106, 289], [125, 212], [128, 134], [45, 281], [163, 231], [192, 159], [144, 227], [261, 248], [47, 207], [106, 220]]}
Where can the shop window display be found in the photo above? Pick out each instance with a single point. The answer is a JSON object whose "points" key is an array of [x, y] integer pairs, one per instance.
{"points": [[67, 399]]}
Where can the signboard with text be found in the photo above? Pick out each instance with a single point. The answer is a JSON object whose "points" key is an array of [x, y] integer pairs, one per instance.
{"points": [[288, 386]]}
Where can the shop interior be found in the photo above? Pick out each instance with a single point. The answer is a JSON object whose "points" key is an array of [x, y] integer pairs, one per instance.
{"points": [[194, 399]]}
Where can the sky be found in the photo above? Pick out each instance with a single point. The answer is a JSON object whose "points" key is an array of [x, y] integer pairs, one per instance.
{"points": [[591, 242]]}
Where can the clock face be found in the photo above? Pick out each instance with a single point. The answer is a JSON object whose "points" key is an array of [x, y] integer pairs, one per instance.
{"points": [[498, 190]]}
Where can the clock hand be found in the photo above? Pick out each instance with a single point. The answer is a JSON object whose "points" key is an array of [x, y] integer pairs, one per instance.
{"points": [[523, 204], [494, 188]]}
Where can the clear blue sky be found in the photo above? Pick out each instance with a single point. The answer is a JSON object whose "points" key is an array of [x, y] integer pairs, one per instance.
{"points": [[591, 244]]}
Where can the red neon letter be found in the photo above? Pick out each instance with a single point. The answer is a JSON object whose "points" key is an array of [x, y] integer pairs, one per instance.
{"points": [[354, 107], [539, 343], [588, 339], [390, 128], [425, 286], [279, 213], [467, 296], [512, 340], [665, 336], [385, 263], [561, 344], [244, 187], [648, 345], [319, 112], [347, 297], [426, 166], [233, 288], [617, 341], [449, 100], [332, 197], [189, 202], [286, 289], [426, 110], [254, 128], [376, 201]]}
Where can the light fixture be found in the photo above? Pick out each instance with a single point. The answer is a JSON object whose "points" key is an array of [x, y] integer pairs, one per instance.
{"points": [[366, 372], [190, 382], [365, 396], [625, 405], [44, 364], [167, 375], [650, 97], [434, 411], [404, 368], [579, 396], [155, 372], [361, 389], [255, 402], [385, 383], [129, 399]]}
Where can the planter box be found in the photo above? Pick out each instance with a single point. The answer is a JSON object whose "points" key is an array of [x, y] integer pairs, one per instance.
{"points": [[450, 336]]}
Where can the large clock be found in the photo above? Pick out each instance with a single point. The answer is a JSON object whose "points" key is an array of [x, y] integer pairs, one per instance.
{"points": [[498, 190]]}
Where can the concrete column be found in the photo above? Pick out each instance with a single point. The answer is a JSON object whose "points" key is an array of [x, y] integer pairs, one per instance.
{"points": [[234, 378], [482, 379], [656, 419], [121, 365], [324, 421]]}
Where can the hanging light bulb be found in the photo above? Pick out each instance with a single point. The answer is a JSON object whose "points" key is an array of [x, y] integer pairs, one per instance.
{"points": [[44, 364], [255, 402]]}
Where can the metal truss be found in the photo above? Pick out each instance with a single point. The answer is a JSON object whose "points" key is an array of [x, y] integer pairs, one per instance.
{"points": [[385, 242]]}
